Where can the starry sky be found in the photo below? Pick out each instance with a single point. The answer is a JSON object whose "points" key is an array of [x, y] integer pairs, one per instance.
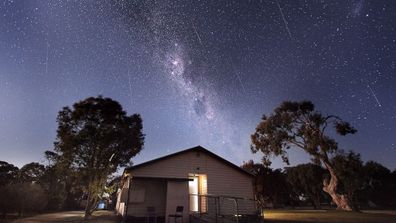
{"points": [[199, 72]]}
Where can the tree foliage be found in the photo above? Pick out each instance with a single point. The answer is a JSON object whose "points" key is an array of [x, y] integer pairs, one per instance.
{"points": [[379, 185], [20, 189], [95, 137], [270, 186], [306, 181], [65, 184], [299, 125], [8, 173], [368, 186], [31, 172], [349, 168]]}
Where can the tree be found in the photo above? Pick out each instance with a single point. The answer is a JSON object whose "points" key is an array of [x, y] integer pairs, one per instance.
{"points": [[53, 182], [349, 168], [31, 172], [259, 171], [22, 197], [64, 182], [95, 137], [306, 180], [270, 186], [392, 185], [112, 188], [28, 197], [299, 125], [8, 173], [378, 186]]}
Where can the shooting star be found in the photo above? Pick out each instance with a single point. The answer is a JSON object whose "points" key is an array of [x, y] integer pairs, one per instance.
{"points": [[130, 88], [375, 96], [240, 81], [238, 77], [284, 19], [46, 59], [196, 33]]}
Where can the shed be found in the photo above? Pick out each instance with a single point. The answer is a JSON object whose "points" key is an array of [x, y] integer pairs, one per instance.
{"points": [[205, 184]]}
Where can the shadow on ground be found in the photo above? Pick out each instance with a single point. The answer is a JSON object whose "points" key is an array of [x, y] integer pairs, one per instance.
{"points": [[72, 217]]}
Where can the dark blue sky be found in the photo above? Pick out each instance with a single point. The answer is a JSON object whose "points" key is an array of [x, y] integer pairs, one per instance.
{"points": [[199, 72]]}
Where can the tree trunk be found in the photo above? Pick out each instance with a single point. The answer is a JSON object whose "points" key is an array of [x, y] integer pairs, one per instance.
{"points": [[94, 205], [88, 210], [316, 203], [330, 187]]}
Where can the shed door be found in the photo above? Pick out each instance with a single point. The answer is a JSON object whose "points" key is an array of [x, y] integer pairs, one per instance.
{"points": [[177, 195], [198, 189]]}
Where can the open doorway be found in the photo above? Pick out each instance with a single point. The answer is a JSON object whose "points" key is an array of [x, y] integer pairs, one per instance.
{"points": [[198, 189]]}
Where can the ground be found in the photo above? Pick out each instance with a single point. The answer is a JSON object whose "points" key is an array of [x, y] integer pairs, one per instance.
{"points": [[328, 216], [72, 217], [271, 216]]}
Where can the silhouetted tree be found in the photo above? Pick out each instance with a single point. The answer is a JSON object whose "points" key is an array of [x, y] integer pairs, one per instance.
{"points": [[31, 172], [270, 186], [349, 168], [22, 197], [53, 182], [299, 125], [95, 137], [307, 180], [51, 157], [392, 185], [8, 173], [378, 186], [66, 185], [29, 197]]}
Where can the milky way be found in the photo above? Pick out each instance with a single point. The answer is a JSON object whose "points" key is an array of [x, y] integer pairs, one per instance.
{"points": [[199, 72], [188, 76], [195, 96]]}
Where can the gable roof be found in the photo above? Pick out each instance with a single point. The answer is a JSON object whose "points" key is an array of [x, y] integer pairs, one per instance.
{"points": [[193, 149]]}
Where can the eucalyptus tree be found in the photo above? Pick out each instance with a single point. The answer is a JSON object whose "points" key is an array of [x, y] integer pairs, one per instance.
{"points": [[297, 125], [95, 137]]}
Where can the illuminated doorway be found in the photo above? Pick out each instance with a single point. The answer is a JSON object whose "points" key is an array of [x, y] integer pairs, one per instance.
{"points": [[198, 189]]}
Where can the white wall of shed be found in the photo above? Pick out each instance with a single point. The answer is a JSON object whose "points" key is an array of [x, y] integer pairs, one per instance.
{"points": [[222, 179]]}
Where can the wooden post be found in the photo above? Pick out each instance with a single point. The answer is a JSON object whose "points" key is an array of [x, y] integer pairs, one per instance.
{"points": [[237, 210]]}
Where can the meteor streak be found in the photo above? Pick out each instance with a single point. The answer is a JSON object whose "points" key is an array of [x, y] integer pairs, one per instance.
{"points": [[196, 33], [375, 96], [284, 19]]}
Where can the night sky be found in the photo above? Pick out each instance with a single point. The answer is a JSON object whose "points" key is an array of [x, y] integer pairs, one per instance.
{"points": [[199, 72]]}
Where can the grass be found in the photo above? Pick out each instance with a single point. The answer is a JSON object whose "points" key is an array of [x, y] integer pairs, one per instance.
{"points": [[328, 216]]}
